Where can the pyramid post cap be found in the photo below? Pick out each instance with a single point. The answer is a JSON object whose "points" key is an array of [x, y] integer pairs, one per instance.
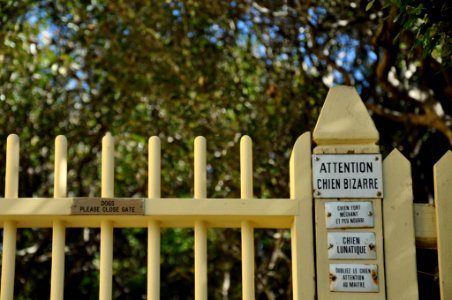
{"points": [[344, 119]]}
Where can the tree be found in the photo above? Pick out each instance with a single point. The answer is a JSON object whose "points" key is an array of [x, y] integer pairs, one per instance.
{"points": [[178, 69]]}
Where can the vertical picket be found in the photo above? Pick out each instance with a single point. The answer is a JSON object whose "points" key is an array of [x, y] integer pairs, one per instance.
{"points": [[246, 179], [443, 190], [9, 227], [200, 226], [302, 231], [106, 229], [154, 166], [154, 170], [59, 230], [398, 220]]}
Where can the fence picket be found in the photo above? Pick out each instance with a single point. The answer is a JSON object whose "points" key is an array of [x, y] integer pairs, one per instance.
{"points": [[398, 219], [106, 226], [302, 231], [200, 226], [9, 227], [59, 229], [246, 186], [154, 171], [443, 190]]}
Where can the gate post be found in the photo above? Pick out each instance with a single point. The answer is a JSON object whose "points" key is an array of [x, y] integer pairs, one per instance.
{"points": [[348, 192]]}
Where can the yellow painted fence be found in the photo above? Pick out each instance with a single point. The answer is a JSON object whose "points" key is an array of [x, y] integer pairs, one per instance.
{"points": [[344, 127]]}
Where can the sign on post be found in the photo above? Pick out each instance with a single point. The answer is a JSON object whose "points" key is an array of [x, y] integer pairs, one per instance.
{"points": [[347, 176], [353, 278], [349, 214], [351, 245]]}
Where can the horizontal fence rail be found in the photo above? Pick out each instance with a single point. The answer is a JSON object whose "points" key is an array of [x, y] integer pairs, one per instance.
{"points": [[168, 212]]}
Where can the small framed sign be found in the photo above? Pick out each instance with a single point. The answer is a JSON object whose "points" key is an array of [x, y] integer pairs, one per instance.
{"points": [[107, 206], [354, 278], [344, 214], [347, 176], [351, 245]]}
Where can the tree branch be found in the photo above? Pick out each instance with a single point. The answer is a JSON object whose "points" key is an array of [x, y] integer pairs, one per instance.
{"points": [[429, 119]]}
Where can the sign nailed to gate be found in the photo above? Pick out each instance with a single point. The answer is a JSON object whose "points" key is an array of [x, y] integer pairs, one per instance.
{"points": [[107, 206], [351, 245], [354, 278], [347, 176], [349, 214]]}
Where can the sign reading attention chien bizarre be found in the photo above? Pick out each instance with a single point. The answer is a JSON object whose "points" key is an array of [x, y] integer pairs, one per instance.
{"points": [[347, 176]]}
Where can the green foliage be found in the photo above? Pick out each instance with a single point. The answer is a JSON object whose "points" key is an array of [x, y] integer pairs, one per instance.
{"points": [[431, 23], [179, 69]]}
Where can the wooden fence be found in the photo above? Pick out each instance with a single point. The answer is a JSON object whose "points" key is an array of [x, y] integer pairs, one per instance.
{"points": [[344, 131]]}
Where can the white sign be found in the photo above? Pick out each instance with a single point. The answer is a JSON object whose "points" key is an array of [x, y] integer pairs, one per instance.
{"points": [[347, 176], [351, 245], [349, 214], [353, 278]]}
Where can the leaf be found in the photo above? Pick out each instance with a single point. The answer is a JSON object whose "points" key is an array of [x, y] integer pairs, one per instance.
{"points": [[370, 4]]}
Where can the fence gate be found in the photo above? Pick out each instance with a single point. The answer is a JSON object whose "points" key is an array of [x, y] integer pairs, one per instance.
{"points": [[353, 224]]}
